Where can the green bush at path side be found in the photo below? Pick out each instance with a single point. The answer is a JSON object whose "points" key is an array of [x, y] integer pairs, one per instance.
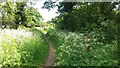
{"points": [[22, 48], [71, 49]]}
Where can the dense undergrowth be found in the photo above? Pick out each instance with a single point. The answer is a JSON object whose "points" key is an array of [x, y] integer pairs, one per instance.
{"points": [[27, 46], [22, 47], [71, 49]]}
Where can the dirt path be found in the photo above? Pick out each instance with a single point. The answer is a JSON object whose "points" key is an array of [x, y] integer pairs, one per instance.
{"points": [[50, 59]]}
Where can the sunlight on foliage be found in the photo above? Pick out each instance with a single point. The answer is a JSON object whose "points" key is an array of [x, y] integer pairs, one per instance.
{"points": [[20, 47], [45, 27], [71, 49]]}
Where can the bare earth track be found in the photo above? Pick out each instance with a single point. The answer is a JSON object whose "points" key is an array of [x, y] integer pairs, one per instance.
{"points": [[51, 55]]}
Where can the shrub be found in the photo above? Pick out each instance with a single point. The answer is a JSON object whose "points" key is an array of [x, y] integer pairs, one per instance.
{"points": [[71, 49], [22, 47]]}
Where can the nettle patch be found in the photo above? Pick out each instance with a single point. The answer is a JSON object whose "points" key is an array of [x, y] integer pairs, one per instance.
{"points": [[72, 51], [19, 47]]}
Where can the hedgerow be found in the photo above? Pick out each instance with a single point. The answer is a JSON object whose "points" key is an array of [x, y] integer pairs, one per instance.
{"points": [[22, 48], [71, 49]]}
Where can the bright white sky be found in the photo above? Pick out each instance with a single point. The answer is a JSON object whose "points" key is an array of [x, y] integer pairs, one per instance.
{"points": [[46, 15]]}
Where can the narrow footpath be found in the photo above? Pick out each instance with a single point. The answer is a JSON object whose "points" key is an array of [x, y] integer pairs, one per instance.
{"points": [[51, 56]]}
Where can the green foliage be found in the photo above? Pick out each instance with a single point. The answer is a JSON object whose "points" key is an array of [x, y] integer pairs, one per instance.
{"points": [[33, 17], [84, 17], [71, 49], [27, 47], [45, 27], [1, 55], [15, 13], [22, 48], [7, 14]]}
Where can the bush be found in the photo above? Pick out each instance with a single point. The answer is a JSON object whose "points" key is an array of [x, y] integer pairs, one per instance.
{"points": [[71, 49], [22, 48]]}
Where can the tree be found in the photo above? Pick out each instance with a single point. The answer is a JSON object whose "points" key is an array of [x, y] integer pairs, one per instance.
{"points": [[14, 14], [82, 17], [62, 6], [20, 13], [33, 17]]}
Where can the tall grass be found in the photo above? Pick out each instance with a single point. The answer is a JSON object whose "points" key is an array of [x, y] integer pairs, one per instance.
{"points": [[22, 48]]}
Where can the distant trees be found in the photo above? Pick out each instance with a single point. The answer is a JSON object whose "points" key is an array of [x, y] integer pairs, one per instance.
{"points": [[82, 17], [33, 17], [14, 14]]}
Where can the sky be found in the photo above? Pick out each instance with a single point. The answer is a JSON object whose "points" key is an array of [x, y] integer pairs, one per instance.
{"points": [[46, 15]]}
